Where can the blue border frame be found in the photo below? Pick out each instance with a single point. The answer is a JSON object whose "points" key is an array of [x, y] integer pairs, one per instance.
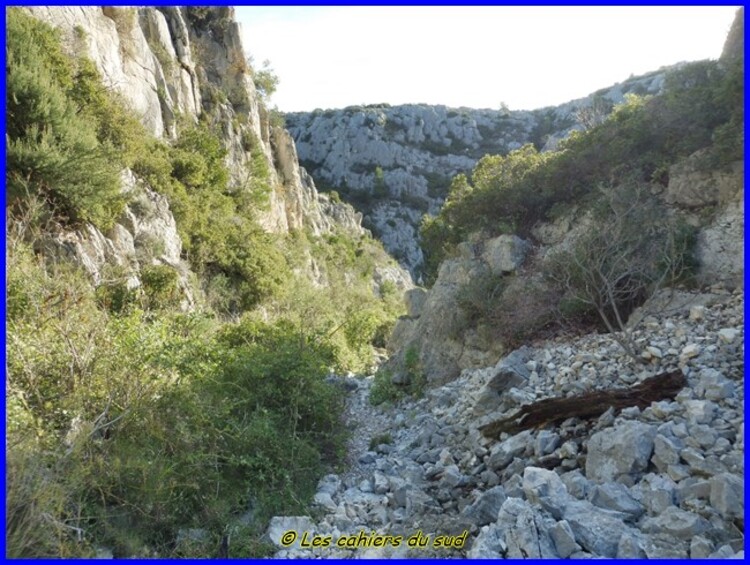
{"points": [[120, 3]]}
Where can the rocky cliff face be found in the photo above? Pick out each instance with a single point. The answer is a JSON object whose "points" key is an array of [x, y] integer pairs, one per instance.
{"points": [[169, 64], [396, 163]]}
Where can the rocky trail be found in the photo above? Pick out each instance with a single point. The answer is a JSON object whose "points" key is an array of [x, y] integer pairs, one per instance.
{"points": [[665, 481]]}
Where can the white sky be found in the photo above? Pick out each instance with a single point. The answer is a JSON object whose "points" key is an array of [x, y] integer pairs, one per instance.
{"points": [[527, 57]]}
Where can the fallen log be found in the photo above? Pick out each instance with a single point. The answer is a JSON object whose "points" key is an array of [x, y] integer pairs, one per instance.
{"points": [[588, 405]]}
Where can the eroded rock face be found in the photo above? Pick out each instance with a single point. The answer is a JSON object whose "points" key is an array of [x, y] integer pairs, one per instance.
{"points": [[438, 332], [721, 246], [690, 186], [437, 325], [165, 65], [145, 234], [402, 158]]}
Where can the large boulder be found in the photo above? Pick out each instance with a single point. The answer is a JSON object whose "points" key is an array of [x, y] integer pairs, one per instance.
{"points": [[692, 186], [509, 372], [620, 452], [505, 254]]}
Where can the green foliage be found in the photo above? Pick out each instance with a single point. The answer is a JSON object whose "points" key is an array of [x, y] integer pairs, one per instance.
{"points": [[347, 314], [266, 80], [380, 439], [480, 295], [126, 420], [215, 221], [161, 287], [53, 150], [701, 107], [129, 427], [114, 293], [380, 189], [383, 388]]}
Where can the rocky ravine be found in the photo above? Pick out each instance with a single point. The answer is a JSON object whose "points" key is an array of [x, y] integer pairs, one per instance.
{"points": [[666, 481], [420, 148], [166, 65]]}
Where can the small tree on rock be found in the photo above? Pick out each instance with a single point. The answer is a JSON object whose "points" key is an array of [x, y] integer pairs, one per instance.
{"points": [[629, 253]]}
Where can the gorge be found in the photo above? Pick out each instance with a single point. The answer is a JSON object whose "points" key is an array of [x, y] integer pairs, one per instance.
{"points": [[216, 346]]}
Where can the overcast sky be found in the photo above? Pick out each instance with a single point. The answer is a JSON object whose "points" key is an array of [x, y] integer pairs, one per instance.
{"points": [[526, 57]]}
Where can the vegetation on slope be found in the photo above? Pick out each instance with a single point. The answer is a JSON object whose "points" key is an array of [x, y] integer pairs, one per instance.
{"points": [[128, 421], [702, 106]]}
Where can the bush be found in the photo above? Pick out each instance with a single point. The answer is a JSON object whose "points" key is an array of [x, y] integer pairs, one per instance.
{"points": [[161, 287], [60, 145], [137, 426], [632, 250], [641, 138], [384, 390]]}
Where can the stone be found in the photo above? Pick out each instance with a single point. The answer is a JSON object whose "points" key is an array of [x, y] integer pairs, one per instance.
{"points": [[489, 478], [380, 483], [503, 453], [489, 544], [630, 546], [728, 335], [485, 508], [714, 386], [664, 546], [595, 529], [700, 548], [727, 552], [514, 487], [563, 539], [698, 463], [576, 484], [690, 351], [505, 254], [700, 411], [675, 522], [666, 451], [368, 457], [546, 489], [727, 495], [451, 477], [655, 492], [415, 299], [614, 496], [697, 313], [324, 500], [622, 450], [518, 522], [569, 449], [329, 484], [509, 372], [546, 442], [279, 525]]}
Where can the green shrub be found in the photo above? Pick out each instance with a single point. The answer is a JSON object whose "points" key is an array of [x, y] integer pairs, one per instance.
{"points": [[380, 439], [641, 138], [55, 150], [479, 297], [383, 390], [146, 424], [161, 287]]}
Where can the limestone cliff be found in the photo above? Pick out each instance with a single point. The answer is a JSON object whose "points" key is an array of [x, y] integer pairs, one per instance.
{"points": [[171, 64], [396, 163]]}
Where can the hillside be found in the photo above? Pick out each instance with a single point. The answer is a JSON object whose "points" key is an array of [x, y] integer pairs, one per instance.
{"points": [[209, 355], [394, 164], [179, 294]]}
